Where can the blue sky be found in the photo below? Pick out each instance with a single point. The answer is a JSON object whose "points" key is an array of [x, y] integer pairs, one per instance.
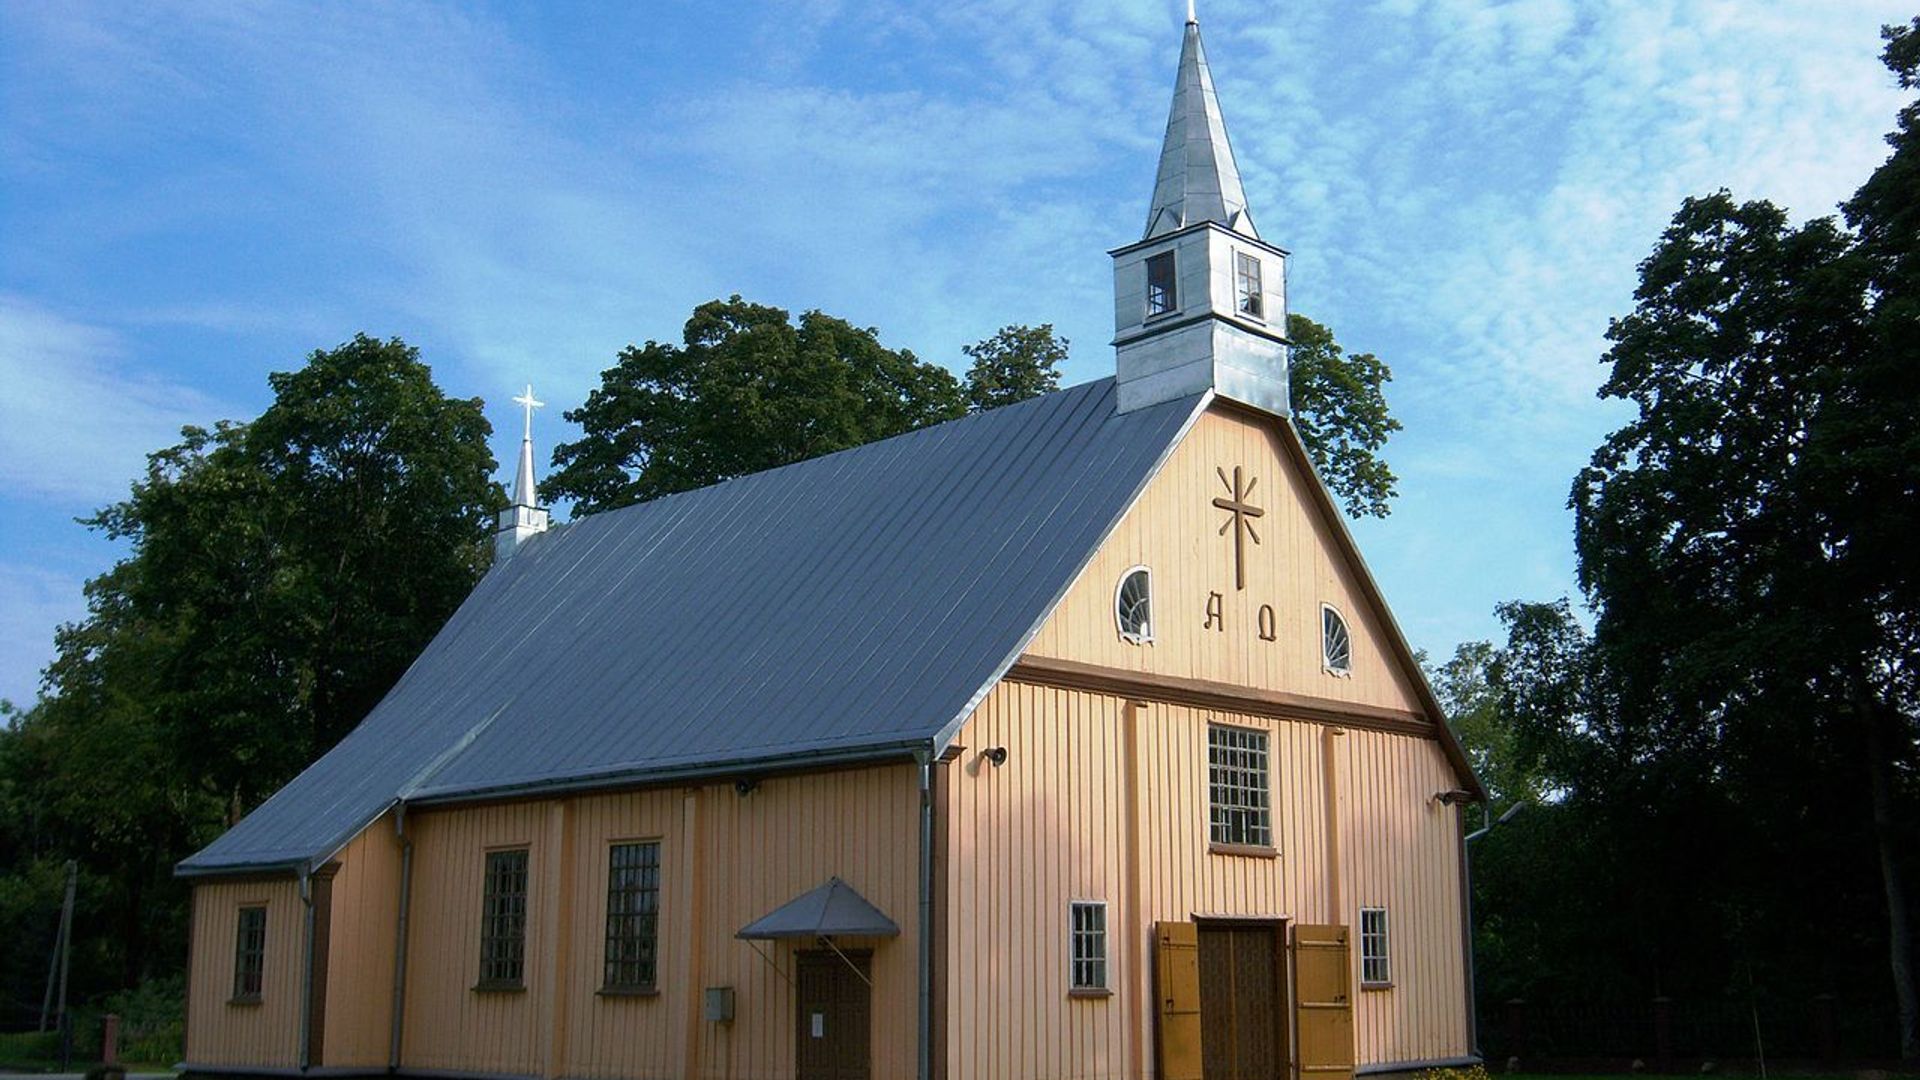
{"points": [[194, 195]]}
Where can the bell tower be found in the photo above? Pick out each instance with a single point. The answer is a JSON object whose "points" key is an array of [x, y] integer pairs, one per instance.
{"points": [[1200, 301]]}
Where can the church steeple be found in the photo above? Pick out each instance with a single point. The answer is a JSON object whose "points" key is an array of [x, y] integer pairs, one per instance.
{"points": [[525, 518], [1200, 301], [1198, 180]]}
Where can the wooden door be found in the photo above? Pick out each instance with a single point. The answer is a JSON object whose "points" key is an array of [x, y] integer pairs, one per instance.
{"points": [[835, 1017], [1242, 1001], [1176, 977], [1323, 1000]]}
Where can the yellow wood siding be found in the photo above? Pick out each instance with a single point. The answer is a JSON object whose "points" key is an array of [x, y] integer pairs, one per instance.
{"points": [[1174, 530], [726, 859], [266, 1034], [449, 1025], [1052, 825], [365, 909]]}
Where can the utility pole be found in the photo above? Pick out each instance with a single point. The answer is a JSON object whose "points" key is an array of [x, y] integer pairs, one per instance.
{"points": [[55, 1001]]}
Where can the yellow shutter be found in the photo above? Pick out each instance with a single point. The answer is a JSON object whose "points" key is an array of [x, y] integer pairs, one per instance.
{"points": [[1323, 1002], [1176, 970]]}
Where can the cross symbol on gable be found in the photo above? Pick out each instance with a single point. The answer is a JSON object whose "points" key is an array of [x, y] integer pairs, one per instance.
{"points": [[1240, 519]]}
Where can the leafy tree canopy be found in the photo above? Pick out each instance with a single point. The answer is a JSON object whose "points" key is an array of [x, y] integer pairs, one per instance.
{"points": [[1340, 409], [746, 390], [282, 574], [1016, 363]]}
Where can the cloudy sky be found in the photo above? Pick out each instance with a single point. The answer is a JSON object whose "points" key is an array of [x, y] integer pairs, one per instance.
{"points": [[192, 196]]}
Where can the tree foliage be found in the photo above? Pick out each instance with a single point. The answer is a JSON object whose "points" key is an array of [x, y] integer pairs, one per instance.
{"points": [[746, 390], [1743, 717], [281, 575], [1340, 409], [1016, 363]]}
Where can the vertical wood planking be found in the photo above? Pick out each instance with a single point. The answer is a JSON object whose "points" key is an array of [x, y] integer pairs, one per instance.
{"points": [[365, 908], [1174, 530], [268, 1033], [1049, 827]]}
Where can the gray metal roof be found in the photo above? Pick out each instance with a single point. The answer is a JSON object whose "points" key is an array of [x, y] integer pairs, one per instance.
{"points": [[1197, 180], [854, 606], [828, 909]]}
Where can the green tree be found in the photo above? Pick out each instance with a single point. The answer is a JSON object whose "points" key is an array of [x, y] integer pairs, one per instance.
{"points": [[1340, 410], [1743, 536], [746, 390], [282, 574], [294, 566], [1016, 363]]}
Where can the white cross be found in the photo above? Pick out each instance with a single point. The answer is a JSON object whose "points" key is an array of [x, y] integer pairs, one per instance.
{"points": [[527, 400]]}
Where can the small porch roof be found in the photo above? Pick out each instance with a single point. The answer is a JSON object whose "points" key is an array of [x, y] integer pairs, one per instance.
{"points": [[832, 909]]}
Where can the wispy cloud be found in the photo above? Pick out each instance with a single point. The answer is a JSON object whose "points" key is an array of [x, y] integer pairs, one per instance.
{"points": [[80, 418]]}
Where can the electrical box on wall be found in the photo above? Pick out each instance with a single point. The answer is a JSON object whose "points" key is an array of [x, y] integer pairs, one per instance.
{"points": [[719, 1007]]}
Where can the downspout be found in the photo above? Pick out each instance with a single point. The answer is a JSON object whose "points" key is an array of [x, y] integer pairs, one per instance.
{"points": [[924, 759], [400, 936], [306, 970], [1466, 931]]}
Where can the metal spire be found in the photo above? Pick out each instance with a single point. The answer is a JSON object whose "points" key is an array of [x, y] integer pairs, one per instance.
{"points": [[1198, 180], [523, 486]]}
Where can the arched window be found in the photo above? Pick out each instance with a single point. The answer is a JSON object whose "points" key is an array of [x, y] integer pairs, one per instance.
{"points": [[1133, 605], [1336, 646]]}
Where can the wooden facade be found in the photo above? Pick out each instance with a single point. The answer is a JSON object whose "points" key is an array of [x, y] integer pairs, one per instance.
{"points": [[1082, 776]]}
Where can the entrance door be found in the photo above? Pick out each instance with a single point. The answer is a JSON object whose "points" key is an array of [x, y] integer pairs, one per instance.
{"points": [[1242, 1001], [836, 1015]]}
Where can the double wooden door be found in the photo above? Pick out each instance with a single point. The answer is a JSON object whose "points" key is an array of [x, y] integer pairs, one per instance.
{"points": [[1243, 1003], [835, 1036]]}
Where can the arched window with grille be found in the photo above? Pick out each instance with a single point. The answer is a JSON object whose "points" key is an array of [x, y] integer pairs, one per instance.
{"points": [[1336, 645], [1133, 605]]}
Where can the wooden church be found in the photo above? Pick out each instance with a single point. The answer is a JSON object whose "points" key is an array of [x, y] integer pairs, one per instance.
{"points": [[1071, 739]]}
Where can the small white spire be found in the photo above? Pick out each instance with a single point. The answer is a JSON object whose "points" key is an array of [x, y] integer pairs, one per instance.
{"points": [[1191, 17], [524, 518]]}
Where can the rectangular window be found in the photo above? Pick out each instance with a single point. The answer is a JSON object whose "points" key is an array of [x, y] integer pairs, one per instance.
{"points": [[1237, 781], [1246, 285], [1162, 294], [250, 954], [1089, 946], [633, 916], [1373, 947], [503, 922]]}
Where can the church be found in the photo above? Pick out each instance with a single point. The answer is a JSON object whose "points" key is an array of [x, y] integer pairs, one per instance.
{"points": [[1069, 739]]}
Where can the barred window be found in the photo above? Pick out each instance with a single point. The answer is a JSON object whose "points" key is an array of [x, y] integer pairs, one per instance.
{"points": [[1374, 970], [503, 922], [1162, 293], [1237, 782], [1248, 295], [1336, 645], [633, 916], [250, 954], [1089, 945]]}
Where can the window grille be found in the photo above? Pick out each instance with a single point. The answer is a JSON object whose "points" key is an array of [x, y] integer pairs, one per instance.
{"points": [[1374, 969], [1133, 606], [1248, 294], [250, 954], [1089, 945], [1162, 292], [1237, 780], [633, 916], [503, 922], [1336, 645]]}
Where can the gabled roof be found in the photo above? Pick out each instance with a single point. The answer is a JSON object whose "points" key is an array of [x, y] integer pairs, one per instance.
{"points": [[1197, 180], [852, 607]]}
